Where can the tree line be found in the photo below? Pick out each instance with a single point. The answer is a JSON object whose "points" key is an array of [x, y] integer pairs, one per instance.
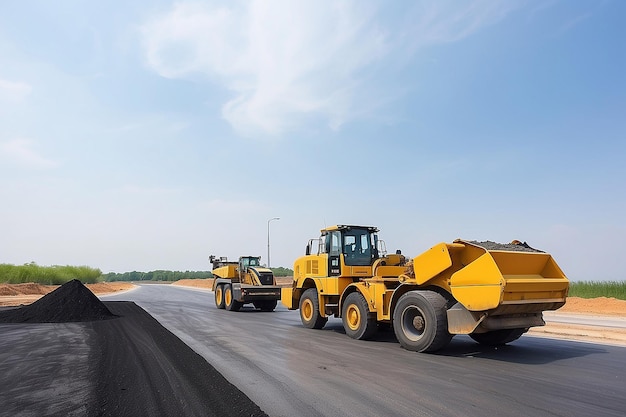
{"points": [[159, 275], [60, 274], [162, 275]]}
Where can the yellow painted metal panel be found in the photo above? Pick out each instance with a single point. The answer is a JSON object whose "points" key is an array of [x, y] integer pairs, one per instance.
{"points": [[478, 297], [333, 286], [523, 278], [286, 297], [483, 271], [357, 271], [226, 271], [479, 285], [390, 271], [431, 263]]}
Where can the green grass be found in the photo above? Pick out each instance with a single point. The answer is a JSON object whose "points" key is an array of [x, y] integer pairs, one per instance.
{"points": [[593, 289], [52, 275]]}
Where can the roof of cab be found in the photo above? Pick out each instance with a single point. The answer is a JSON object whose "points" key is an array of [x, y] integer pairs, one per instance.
{"points": [[348, 227]]}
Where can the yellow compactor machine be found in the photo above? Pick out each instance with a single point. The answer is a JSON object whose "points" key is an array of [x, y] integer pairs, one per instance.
{"points": [[492, 292], [241, 282]]}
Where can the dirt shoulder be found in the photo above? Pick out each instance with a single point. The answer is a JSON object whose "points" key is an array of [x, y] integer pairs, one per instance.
{"points": [[27, 293]]}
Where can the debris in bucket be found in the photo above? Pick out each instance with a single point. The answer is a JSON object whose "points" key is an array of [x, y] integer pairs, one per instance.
{"points": [[71, 302], [515, 245]]}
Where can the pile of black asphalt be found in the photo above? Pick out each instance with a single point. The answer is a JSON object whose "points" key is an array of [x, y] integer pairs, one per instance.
{"points": [[71, 302], [134, 366]]}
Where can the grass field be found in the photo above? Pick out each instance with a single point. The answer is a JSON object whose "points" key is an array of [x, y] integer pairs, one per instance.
{"points": [[50, 275], [593, 289]]}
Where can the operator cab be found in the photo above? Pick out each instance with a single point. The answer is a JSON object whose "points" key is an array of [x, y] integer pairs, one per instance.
{"points": [[246, 261], [359, 246]]}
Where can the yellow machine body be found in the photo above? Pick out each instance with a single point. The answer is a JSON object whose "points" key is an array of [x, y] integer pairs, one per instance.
{"points": [[242, 282], [485, 289]]}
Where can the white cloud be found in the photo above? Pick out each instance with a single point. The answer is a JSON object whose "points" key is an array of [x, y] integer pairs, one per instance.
{"points": [[14, 90], [435, 22], [290, 62], [21, 152]]}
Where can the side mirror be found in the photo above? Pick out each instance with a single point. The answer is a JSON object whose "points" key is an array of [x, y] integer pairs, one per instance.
{"points": [[307, 251]]}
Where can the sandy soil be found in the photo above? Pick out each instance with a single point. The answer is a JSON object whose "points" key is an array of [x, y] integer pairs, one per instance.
{"points": [[599, 306]]}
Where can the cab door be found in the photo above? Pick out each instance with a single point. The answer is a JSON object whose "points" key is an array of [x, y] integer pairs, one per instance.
{"points": [[333, 248]]}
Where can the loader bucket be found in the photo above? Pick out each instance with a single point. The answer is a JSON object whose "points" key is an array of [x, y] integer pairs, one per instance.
{"points": [[512, 282]]}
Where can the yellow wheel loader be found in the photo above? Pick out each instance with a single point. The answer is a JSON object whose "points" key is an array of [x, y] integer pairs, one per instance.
{"points": [[492, 292], [242, 282]]}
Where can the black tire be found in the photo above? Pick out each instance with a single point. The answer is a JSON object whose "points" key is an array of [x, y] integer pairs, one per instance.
{"points": [[420, 321], [357, 320], [310, 310], [219, 296], [229, 300], [266, 305], [498, 337]]}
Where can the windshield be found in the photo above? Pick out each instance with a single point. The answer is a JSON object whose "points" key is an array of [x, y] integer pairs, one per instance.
{"points": [[359, 247]]}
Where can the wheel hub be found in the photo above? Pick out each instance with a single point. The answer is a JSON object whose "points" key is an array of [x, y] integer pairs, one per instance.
{"points": [[413, 323], [307, 310], [354, 318], [418, 323]]}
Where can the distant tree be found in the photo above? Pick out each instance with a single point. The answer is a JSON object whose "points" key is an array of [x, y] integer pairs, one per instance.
{"points": [[282, 272], [158, 275]]}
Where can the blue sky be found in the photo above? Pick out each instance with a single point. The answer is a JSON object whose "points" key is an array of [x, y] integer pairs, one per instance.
{"points": [[150, 134]]}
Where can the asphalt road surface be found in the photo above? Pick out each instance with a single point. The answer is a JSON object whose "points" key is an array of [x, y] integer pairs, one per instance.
{"points": [[288, 370]]}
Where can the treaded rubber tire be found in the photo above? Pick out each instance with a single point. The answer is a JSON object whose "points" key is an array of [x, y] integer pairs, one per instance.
{"points": [[229, 300], [219, 296], [358, 322], [420, 321], [310, 310], [498, 337]]}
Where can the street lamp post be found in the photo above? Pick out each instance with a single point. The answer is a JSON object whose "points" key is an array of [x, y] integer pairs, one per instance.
{"points": [[268, 239]]}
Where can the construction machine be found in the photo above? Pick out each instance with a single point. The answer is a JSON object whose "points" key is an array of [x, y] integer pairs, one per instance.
{"points": [[492, 292], [244, 281]]}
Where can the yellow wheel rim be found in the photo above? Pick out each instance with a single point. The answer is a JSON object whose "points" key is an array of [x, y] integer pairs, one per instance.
{"points": [[218, 294], [229, 296], [353, 317], [307, 310]]}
